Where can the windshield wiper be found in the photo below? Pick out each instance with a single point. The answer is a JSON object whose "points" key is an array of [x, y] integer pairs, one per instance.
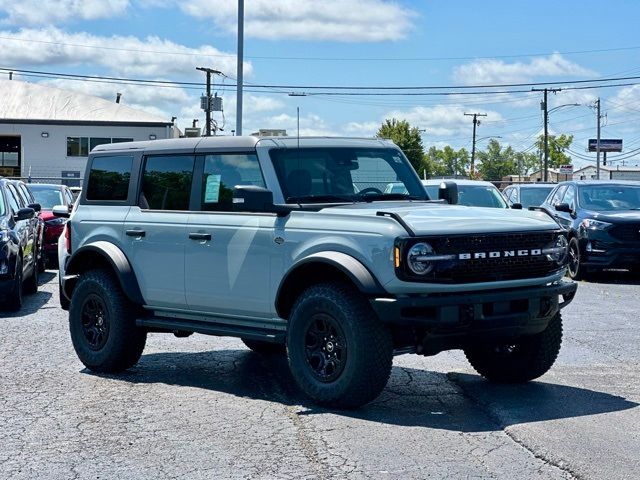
{"points": [[320, 198]]}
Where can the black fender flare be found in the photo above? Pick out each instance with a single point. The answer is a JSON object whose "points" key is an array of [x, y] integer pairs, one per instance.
{"points": [[114, 257]]}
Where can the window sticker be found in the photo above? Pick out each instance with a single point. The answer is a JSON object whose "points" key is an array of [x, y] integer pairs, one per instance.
{"points": [[212, 189]]}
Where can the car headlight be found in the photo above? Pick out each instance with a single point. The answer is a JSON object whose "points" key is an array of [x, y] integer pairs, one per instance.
{"points": [[558, 250], [592, 224], [416, 260], [54, 222]]}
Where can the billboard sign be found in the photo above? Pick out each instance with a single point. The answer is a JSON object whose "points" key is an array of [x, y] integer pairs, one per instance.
{"points": [[606, 145]]}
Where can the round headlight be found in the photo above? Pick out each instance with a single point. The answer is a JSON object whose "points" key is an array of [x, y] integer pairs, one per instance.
{"points": [[417, 264], [558, 250]]}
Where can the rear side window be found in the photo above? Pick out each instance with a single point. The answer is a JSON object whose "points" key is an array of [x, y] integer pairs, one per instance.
{"points": [[109, 178], [166, 182]]}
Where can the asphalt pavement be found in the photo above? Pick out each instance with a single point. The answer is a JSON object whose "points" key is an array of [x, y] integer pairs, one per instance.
{"points": [[206, 407]]}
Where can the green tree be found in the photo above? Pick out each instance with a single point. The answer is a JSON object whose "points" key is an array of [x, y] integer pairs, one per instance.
{"points": [[408, 139], [448, 161], [527, 162], [496, 162], [558, 145]]}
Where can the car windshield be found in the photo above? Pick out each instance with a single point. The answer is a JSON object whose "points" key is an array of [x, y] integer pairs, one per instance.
{"points": [[474, 195], [326, 175], [601, 198], [533, 197], [48, 197]]}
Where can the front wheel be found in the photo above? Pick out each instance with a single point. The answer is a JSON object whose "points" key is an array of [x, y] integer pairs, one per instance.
{"points": [[339, 352], [521, 360], [102, 324], [575, 270]]}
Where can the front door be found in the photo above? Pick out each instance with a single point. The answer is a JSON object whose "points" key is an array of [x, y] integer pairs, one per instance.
{"points": [[155, 229], [227, 255]]}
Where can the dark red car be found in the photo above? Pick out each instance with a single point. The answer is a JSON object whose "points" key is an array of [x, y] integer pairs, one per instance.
{"points": [[49, 196]]}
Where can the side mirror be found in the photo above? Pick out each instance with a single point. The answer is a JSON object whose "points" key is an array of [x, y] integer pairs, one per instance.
{"points": [[24, 214], [448, 192], [563, 207], [36, 207], [516, 206], [250, 198], [61, 211]]}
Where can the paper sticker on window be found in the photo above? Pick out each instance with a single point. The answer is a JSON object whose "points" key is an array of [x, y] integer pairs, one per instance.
{"points": [[212, 189]]}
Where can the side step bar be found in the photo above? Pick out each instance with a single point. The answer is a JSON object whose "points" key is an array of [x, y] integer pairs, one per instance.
{"points": [[207, 328]]}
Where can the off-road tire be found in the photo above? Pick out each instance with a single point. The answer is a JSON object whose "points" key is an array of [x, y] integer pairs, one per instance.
{"points": [[31, 284], [577, 271], [13, 301], [124, 341], [369, 346], [523, 360], [265, 348]]}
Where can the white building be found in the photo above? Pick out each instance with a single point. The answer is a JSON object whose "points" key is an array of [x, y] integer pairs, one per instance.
{"points": [[48, 132], [607, 173]]}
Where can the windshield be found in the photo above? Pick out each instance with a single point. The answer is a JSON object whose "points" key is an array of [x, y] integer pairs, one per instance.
{"points": [[48, 197], [601, 198], [474, 195], [533, 197], [325, 175]]}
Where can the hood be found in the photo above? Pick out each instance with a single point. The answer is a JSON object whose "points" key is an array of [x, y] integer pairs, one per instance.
{"points": [[624, 216], [438, 219]]}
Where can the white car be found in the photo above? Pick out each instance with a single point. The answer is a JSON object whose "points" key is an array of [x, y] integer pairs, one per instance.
{"points": [[472, 193]]}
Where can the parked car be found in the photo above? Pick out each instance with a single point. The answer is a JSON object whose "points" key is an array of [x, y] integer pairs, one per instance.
{"points": [[603, 222], [75, 191], [471, 193], [18, 237], [266, 240], [49, 196], [527, 194], [26, 199]]}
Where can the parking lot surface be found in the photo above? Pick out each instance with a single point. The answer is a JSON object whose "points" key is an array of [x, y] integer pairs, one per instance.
{"points": [[206, 407]]}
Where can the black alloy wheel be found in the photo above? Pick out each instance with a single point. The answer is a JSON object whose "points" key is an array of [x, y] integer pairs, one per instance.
{"points": [[325, 347], [95, 322], [573, 268]]}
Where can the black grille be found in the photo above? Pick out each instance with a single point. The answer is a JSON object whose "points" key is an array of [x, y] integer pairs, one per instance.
{"points": [[487, 269], [626, 233]]}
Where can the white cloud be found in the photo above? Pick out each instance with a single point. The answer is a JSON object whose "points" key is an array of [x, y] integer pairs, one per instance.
{"points": [[440, 120], [335, 20], [362, 129], [47, 12], [124, 55], [488, 71]]}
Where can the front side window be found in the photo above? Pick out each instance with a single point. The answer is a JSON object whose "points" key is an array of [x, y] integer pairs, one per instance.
{"points": [[224, 171], [109, 178], [570, 197], [557, 195], [166, 182], [319, 175]]}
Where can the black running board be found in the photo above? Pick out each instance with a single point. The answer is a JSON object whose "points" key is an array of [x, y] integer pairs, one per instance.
{"points": [[207, 328]]}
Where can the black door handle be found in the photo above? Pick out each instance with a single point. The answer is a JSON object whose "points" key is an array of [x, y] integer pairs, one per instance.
{"points": [[200, 236], [135, 233]]}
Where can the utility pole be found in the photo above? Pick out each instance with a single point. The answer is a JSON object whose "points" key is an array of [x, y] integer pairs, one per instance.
{"points": [[207, 109], [598, 140], [545, 107], [476, 122], [239, 71]]}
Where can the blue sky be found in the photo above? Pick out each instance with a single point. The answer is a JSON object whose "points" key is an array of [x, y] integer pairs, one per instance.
{"points": [[346, 43]]}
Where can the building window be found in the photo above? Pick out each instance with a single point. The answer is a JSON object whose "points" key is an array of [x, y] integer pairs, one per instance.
{"points": [[81, 146]]}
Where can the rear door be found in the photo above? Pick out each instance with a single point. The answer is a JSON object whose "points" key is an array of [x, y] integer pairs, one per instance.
{"points": [[155, 228]]}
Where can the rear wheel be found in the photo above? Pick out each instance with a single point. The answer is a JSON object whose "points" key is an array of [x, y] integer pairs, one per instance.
{"points": [[14, 299], [339, 353], [264, 348], [519, 361], [102, 324]]}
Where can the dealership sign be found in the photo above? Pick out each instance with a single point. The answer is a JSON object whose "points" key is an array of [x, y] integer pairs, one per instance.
{"points": [[606, 145], [566, 169]]}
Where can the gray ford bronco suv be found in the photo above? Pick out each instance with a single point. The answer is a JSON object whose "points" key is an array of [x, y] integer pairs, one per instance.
{"points": [[287, 242]]}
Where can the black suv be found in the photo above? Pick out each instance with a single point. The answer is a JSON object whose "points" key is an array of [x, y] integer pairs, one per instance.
{"points": [[18, 241], [603, 220]]}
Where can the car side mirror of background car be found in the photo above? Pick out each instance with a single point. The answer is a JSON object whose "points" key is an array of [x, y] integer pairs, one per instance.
{"points": [[448, 191], [61, 211], [36, 207], [251, 198], [24, 214], [563, 207], [516, 206]]}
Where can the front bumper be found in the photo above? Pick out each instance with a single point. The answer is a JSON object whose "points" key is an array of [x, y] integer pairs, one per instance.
{"points": [[477, 316]]}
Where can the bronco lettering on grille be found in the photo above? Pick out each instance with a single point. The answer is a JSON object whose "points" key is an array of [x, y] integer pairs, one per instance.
{"points": [[500, 254]]}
